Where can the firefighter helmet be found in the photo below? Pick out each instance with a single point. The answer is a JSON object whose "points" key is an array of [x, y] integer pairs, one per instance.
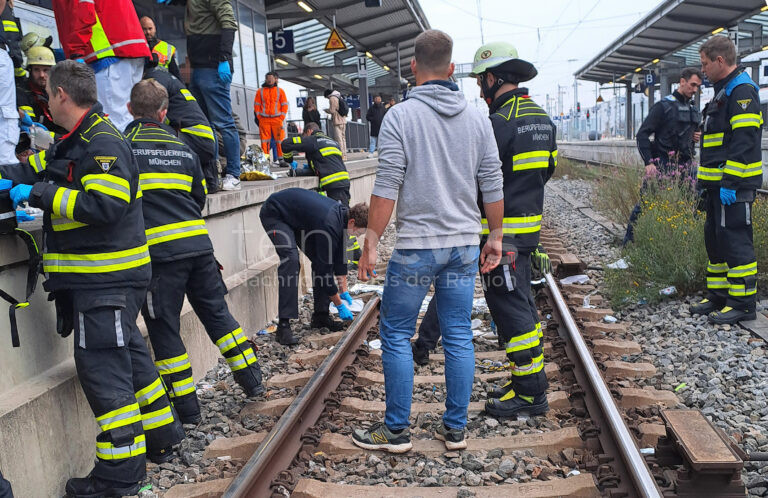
{"points": [[502, 56], [40, 56]]}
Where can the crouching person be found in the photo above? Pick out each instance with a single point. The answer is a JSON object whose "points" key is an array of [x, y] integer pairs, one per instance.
{"points": [[173, 193], [297, 218], [97, 263]]}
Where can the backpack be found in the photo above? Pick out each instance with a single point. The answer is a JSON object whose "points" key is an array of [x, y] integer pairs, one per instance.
{"points": [[343, 107]]}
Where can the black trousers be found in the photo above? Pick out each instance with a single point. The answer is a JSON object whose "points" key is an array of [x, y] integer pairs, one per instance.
{"points": [[5, 488], [286, 243], [200, 280], [121, 384], [514, 311], [508, 294], [732, 267]]}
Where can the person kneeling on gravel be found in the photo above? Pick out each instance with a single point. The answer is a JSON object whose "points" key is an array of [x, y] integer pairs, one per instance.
{"points": [[173, 193], [295, 219]]}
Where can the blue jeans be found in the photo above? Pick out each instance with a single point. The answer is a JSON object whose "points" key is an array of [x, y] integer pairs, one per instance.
{"points": [[218, 105], [372, 147], [410, 273]]}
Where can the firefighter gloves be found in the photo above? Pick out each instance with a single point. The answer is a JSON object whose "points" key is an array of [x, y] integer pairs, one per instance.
{"points": [[344, 312], [540, 260], [727, 196], [20, 193]]}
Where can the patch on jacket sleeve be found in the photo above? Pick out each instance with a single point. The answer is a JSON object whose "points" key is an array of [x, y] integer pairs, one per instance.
{"points": [[744, 103], [105, 162]]}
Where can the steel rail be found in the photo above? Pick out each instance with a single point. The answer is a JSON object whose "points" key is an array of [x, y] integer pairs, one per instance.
{"points": [[283, 443], [644, 482]]}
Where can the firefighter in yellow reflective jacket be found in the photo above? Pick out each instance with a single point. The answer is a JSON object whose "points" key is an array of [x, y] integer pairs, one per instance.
{"points": [[526, 139], [188, 120], [173, 194], [730, 172], [162, 50], [97, 265]]}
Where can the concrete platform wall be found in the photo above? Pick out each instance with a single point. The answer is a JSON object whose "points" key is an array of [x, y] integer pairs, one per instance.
{"points": [[47, 429], [621, 153]]}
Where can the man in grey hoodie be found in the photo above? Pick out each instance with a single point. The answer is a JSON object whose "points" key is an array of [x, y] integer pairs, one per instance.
{"points": [[435, 152]]}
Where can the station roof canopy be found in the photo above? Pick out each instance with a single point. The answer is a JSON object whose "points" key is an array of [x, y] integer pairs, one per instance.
{"points": [[671, 30], [375, 31]]}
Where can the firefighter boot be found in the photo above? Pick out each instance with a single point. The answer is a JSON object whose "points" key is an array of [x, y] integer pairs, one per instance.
{"points": [[512, 404], [705, 307], [324, 320], [162, 456], [730, 316], [95, 487], [250, 379], [284, 334], [501, 391]]}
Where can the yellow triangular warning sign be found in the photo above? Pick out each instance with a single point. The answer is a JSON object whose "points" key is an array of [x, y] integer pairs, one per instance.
{"points": [[335, 42]]}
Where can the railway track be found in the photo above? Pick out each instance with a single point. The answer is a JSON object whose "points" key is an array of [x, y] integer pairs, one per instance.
{"points": [[589, 444]]}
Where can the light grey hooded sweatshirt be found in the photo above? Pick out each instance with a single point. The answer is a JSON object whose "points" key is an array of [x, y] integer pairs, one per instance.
{"points": [[435, 151]]}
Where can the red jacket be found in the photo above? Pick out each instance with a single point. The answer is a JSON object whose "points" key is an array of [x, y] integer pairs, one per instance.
{"points": [[94, 29]]}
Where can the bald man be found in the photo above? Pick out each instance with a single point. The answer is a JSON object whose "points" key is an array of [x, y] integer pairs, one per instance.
{"points": [[165, 52]]}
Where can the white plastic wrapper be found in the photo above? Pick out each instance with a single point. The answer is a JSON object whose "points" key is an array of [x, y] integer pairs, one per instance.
{"points": [[575, 279], [355, 307], [363, 288]]}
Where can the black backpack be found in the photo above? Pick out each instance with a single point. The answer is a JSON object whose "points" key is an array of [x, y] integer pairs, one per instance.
{"points": [[343, 107]]}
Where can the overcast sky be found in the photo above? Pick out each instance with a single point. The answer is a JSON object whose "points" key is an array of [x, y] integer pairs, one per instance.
{"points": [[557, 36]]}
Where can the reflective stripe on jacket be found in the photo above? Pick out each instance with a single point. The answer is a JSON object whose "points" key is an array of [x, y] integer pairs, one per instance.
{"points": [[526, 138], [87, 183], [173, 192], [165, 53], [270, 102], [94, 29], [324, 157]]}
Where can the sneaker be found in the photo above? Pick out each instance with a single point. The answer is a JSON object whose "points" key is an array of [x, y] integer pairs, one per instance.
{"points": [[730, 316], [502, 391], [705, 307], [453, 438], [512, 404], [95, 487], [230, 183], [379, 437], [324, 320], [369, 156], [420, 356]]}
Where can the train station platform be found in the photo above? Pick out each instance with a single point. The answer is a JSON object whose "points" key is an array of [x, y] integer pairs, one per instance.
{"points": [[48, 428]]}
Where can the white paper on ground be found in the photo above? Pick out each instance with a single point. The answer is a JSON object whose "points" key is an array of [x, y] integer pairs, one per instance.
{"points": [[355, 307], [619, 264], [375, 344]]}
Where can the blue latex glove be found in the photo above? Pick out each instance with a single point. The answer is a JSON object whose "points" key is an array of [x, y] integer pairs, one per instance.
{"points": [[164, 2], [727, 196], [345, 296], [294, 165], [81, 61], [40, 125], [22, 215], [344, 312], [25, 122], [225, 73], [20, 193]]}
